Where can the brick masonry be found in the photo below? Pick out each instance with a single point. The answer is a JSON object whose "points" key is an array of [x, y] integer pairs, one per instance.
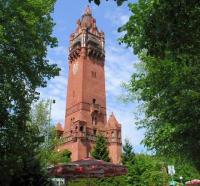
{"points": [[86, 98]]}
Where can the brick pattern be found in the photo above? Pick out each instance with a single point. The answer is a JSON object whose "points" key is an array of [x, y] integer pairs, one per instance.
{"points": [[86, 98]]}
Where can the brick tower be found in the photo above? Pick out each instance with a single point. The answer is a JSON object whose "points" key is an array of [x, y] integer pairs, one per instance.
{"points": [[86, 98]]}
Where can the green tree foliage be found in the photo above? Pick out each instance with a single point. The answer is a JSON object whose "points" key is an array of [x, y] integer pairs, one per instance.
{"points": [[40, 117], [146, 170], [127, 152], [100, 151], [97, 2], [19, 164], [165, 34], [182, 168], [56, 157], [116, 181], [25, 34]]}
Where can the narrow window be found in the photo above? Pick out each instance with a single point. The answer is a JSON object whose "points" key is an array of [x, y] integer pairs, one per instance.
{"points": [[95, 120], [81, 128], [94, 101], [71, 121], [94, 75]]}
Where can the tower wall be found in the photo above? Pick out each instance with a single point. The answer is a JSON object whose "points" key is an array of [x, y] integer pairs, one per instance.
{"points": [[78, 149], [115, 151], [86, 97]]}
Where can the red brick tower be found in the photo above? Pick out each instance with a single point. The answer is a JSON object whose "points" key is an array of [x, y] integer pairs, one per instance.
{"points": [[86, 99]]}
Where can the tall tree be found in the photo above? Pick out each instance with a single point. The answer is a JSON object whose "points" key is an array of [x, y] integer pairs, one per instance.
{"points": [[127, 153], [165, 34], [100, 151], [25, 33], [41, 119]]}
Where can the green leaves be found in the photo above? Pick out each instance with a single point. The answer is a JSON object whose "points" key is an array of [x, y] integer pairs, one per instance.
{"points": [[97, 2], [146, 170], [100, 151], [25, 33], [165, 35], [55, 157], [128, 153], [161, 26]]}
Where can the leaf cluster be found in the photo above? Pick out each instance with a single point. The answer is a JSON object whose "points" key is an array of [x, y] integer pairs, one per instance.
{"points": [[119, 2], [146, 170], [100, 151], [165, 35], [25, 33], [55, 157], [127, 153]]}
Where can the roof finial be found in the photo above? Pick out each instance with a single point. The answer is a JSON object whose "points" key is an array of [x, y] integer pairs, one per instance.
{"points": [[88, 11]]}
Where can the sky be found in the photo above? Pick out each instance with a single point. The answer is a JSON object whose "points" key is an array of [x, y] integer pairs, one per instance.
{"points": [[119, 62]]}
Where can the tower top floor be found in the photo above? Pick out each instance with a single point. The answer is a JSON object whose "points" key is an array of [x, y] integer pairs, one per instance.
{"points": [[86, 115], [87, 35]]}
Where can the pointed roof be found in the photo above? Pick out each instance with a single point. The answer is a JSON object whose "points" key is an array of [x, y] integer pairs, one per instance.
{"points": [[59, 127], [88, 11], [112, 122], [87, 20]]}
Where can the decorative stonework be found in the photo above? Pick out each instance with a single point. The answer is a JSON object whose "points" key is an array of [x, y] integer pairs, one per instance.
{"points": [[88, 36], [86, 98]]}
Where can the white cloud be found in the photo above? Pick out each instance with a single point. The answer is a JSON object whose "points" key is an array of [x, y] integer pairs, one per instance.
{"points": [[125, 116], [124, 19], [58, 111], [60, 50], [56, 90], [119, 67], [118, 18]]}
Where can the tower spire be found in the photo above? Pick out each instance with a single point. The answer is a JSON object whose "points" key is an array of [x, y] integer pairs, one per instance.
{"points": [[88, 11]]}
